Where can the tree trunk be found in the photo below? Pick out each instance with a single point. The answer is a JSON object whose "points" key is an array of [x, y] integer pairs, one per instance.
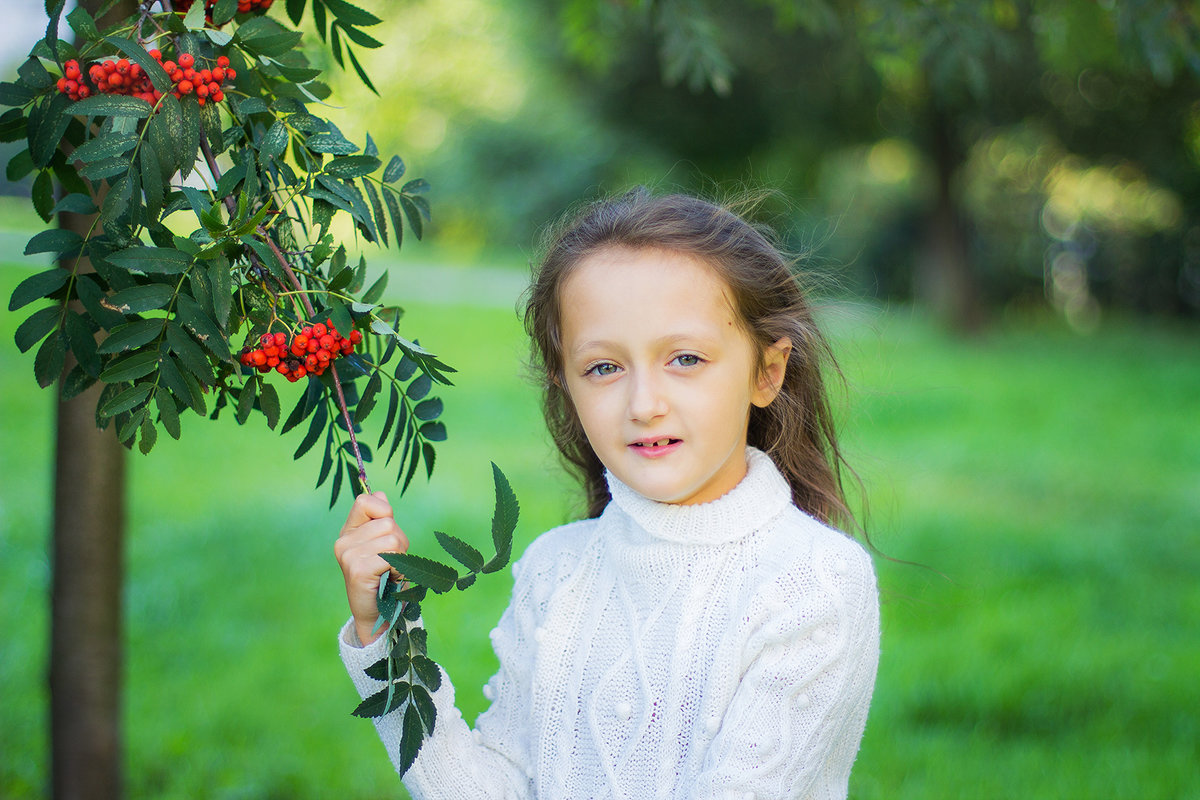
{"points": [[945, 281], [85, 616], [87, 566]]}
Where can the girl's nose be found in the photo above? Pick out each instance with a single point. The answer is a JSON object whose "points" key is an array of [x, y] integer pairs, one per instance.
{"points": [[647, 400]]}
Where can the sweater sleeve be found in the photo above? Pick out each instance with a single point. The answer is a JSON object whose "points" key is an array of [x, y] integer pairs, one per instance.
{"points": [[797, 716], [492, 761]]}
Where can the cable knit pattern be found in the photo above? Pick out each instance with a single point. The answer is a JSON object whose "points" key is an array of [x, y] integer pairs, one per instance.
{"points": [[723, 650]]}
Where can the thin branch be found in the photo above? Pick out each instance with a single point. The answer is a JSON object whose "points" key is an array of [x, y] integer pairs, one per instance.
{"points": [[231, 204]]}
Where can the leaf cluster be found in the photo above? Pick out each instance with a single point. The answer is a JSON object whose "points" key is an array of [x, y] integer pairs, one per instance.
{"points": [[408, 674], [157, 317]]}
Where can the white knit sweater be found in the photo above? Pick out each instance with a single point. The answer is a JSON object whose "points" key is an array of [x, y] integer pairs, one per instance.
{"points": [[723, 650]]}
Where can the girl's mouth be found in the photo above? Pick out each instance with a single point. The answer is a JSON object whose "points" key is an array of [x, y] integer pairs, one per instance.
{"points": [[655, 447]]}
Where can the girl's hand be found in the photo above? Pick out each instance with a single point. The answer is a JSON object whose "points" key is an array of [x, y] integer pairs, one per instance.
{"points": [[370, 530]]}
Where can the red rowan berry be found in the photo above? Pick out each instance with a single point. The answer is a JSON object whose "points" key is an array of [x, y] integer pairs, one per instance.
{"points": [[72, 71], [355, 336], [202, 91], [84, 92], [109, 66], [319, 330], [280, 337], [170, 67], [185, 87], [258, 357], [218, 95], [156, 54], [222, 61], [62, 85], [231, 73], [186, 60]]}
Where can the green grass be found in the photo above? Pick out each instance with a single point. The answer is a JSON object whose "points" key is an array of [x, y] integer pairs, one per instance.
{"points": [[1048, 483]]}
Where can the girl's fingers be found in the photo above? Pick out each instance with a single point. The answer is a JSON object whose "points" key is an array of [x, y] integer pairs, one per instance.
{"points": [[367, 507]]}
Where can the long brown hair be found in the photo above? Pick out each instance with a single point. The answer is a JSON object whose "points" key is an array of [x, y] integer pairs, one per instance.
{"points": [[796, 429]]}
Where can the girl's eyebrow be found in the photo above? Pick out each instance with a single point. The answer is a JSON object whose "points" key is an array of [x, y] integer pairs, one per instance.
{"points": [[696, 339]]}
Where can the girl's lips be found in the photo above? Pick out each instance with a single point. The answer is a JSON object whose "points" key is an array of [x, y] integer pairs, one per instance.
{"points": [[655, 448]]}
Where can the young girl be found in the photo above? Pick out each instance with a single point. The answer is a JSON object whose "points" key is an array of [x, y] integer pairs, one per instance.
{"points": [[704, 633]]}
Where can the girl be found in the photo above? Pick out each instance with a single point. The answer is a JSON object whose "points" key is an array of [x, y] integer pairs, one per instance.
{"points": [[704, 633]]}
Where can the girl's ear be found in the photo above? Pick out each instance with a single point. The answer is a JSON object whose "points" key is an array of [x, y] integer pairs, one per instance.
{"points": [[770, 377]]}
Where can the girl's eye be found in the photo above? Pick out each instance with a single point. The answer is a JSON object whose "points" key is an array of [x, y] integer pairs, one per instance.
{"points": [[687, 360], [602, 369]]}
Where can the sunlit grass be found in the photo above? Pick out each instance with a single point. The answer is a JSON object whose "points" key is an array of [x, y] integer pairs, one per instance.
{"points": [[1048, 483]]}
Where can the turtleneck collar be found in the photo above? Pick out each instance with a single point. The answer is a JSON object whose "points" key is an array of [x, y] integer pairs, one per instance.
{"points": [[755, 501]]}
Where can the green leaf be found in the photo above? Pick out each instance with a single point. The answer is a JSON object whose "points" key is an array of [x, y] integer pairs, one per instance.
{"points": [[251, 105], [352, 166], [419, 387], [76, 382], [411, 738], [424, 571], [268, 402], [360, 38], [168, 413], [314, 431], [223, 11], [504, 521], [373, 294], [202, 326], [190, 354], [76, 203], [264, 36], [433, 431], [37, 286], [189, 145], [15, 94], [48, 121], [157, 260], [393, 206], [126, 400], [48, 363], [428, 409], [82, 23], [109, 145], [93, 299], [377, 210], [43, 194], [304, 406], [351, 14], [134, 365], [19, 166], [274, 142], [149, 435], [362, 73], [111, 105], [55, 240], [460, 551], [394, 171], [245, 402], [194, 19], [221, 282], [33, 74], [331, 142], [184, 388], [131, 335], [367, 402], [35, 328], [152, 180], [425, 707], [372, 706], [137, 299], [295, 10], [427, 671]]}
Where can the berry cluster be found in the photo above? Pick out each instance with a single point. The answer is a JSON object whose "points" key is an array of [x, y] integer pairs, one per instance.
{"points": [[243, 7], [308, 353], [120, 76]]}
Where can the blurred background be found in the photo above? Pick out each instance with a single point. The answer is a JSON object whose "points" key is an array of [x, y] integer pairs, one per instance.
{"points": [[998, 204]]}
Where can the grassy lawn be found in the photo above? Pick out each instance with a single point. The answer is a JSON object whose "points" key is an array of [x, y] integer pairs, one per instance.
{"points": [[1048, 485]]}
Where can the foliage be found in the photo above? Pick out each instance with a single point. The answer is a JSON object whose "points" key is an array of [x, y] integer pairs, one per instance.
{"points": [[207, 208]]}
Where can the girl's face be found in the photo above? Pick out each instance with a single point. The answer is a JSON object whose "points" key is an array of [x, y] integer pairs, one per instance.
{"points": [[661, 373]]}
